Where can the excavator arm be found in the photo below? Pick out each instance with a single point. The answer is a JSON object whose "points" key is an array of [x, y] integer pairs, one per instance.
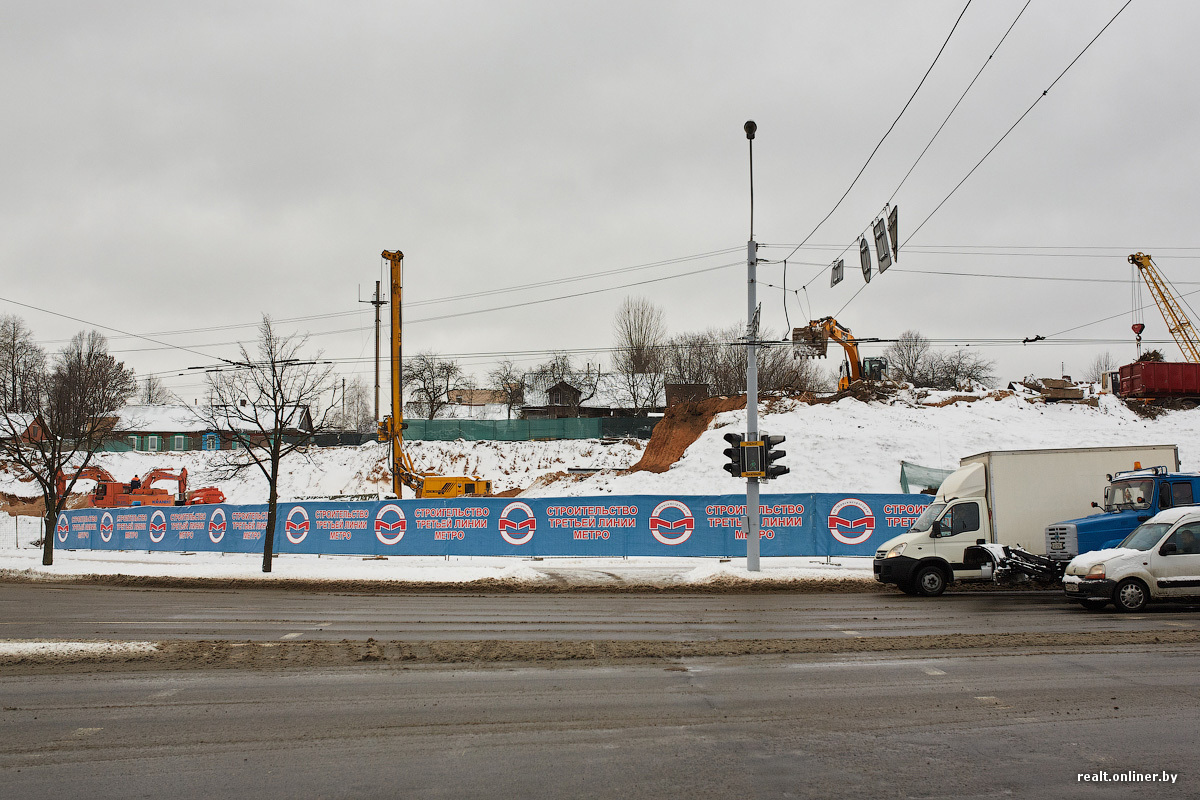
{"points": [[98, 474], [180, 479]]}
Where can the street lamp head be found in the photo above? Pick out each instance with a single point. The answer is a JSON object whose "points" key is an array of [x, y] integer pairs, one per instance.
{"points": [[750, 128]]}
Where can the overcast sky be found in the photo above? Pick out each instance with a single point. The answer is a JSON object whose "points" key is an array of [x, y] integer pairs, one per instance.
{"points": [[170, 168]]}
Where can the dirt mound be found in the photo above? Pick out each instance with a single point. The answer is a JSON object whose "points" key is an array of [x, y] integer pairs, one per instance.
{"points": [[680, 426]]}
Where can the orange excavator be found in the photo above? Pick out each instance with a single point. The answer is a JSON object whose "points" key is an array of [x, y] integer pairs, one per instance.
{"points": [[112, 493]]}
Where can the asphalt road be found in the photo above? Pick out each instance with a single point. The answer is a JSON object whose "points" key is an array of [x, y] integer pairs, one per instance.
{"points": [[66, 611], [968, 726]]}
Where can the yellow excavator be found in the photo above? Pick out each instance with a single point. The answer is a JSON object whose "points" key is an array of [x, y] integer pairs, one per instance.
{"points": [[813, 342], [424, 484]]}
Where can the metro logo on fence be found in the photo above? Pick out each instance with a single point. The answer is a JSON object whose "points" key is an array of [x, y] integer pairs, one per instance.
{"points": [[517, 516], [295, 526], [851, 521], [610, 526], [390, 518]]}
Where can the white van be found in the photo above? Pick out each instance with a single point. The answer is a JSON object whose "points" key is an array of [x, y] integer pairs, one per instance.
{"points": [[1160, 560]]}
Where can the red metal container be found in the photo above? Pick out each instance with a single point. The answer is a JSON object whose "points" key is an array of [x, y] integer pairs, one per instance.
{"points": [[1160, 379]]}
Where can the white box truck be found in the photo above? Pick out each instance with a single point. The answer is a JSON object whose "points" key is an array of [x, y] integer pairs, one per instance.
{"points": [[1004, 497]]}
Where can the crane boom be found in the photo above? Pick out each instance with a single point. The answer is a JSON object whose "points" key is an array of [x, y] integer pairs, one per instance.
{"points": [[1178, 324]]}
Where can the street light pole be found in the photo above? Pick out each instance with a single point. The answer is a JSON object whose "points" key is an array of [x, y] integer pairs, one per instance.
{"points": [[752, 504]]}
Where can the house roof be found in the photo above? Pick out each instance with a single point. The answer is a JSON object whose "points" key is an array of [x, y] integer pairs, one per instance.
{"points": [[611, 392], [182, 419]]}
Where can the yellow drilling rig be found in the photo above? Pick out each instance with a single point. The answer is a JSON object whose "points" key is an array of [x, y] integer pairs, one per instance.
{"points": [[425, 484]]}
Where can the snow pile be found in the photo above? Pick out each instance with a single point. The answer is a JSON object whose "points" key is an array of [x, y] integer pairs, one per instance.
{"points": [[851, 446]]}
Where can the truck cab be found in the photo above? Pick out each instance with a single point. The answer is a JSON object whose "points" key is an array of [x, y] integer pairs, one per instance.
{"points": [[1131, 498], [930, 555]]}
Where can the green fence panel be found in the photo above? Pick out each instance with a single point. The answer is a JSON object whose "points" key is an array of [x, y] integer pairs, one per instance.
{"points": [[521, 430]]}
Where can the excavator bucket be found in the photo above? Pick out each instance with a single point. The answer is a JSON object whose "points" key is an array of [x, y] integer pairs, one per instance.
{"points": [[809, 342]]}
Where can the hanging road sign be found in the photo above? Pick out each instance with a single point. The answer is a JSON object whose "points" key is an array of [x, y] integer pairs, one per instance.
{"points": [[864, 256], [835, 274], [893, 220], [881, 246]]}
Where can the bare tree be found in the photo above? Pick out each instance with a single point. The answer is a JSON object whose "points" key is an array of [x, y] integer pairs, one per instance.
{"points": [[640, 337], [913, 359], [70, 410], [510, 381], [264, 403], [354, 411], [908, 358], [1101, 365], [153, 393], [959, 369], [431, 379], [687, 358], [21, 361]]}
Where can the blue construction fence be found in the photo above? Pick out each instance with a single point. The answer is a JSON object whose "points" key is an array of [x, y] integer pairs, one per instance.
{"points": [[607, 526]]}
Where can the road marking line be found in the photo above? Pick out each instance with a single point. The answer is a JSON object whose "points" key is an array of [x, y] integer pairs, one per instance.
{"points": [[1178, 624], [852, 633], [292, 635], [932, 671], [86, 731], [164, 693]]}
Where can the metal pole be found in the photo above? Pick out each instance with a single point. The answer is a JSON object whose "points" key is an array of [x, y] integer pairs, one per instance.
{"points": [[396, 260], [752, 504]]}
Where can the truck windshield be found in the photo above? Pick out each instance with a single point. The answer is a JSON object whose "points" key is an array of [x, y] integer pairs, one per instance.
{"points": [[1129, 494], [925, 521], [1145, 536]]}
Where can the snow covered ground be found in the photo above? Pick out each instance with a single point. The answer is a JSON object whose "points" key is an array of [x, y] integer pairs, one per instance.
{"points": [[848, 446]]}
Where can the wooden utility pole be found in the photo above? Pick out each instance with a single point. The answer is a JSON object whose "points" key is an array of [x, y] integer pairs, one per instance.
{"points": [[377, 301]]}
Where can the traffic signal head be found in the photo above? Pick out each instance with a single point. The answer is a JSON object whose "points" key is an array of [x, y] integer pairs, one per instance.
{"points": [[775, 470], [734, 454]]}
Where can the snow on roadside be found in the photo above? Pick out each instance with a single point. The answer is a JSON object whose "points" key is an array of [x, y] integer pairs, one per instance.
{"points": [[55, 650]]}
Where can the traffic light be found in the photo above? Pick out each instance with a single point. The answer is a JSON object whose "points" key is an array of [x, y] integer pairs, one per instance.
{"points": [[734, 454], [775, 470]]}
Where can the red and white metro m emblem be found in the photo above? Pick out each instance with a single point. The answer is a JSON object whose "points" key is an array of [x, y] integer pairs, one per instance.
{"points": [[390, 524], [295, 527], [158, 526], [517, 517], [62, 528], [671, 531], [216, 525], [851, 528], [106, 526]]}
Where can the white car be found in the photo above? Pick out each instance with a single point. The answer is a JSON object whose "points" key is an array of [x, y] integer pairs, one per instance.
{"points": [[1159, 561]]}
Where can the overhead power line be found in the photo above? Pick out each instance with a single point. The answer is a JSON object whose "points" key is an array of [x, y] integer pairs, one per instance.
{"points": [[886, 133]]}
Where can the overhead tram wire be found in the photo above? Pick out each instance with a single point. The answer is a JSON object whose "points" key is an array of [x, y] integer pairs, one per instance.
{"points": [[166, 345], [1033, 105], [928, 144], [885, 135], [992, 149], [982, 67], [452, 298]]}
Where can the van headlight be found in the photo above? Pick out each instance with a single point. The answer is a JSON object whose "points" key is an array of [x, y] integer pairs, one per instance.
{"points": [[897, 550], [1096, 572]]}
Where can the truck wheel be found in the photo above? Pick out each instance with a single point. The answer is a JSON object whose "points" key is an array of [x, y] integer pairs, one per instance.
{"points": [[1131, 595], [1094, 604], [930, 581]]}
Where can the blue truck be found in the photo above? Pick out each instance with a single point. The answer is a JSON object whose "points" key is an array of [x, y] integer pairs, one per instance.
{"points": [[1131, 498]]}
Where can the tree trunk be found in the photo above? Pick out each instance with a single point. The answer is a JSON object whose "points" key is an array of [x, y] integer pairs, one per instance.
{"points": [[49, 521], [269, 533]]}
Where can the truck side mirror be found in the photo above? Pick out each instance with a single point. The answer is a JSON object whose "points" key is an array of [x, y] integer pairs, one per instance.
{"points": [[1095, 504], [1170, 548], [936, 530]]}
